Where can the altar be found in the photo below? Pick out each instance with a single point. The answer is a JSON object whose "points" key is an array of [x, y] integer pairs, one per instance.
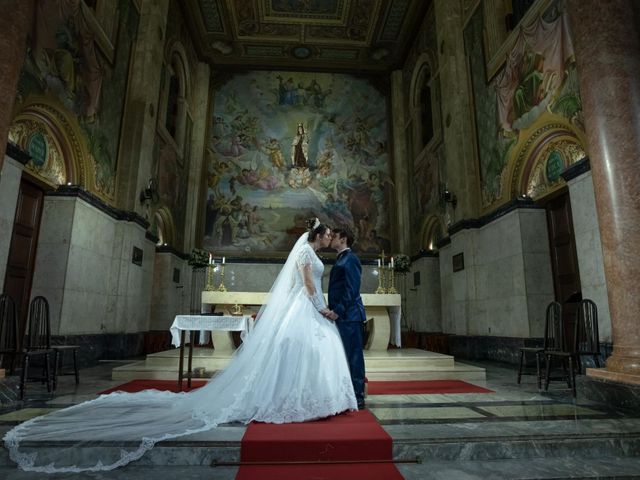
{"points": [[383, 313]]}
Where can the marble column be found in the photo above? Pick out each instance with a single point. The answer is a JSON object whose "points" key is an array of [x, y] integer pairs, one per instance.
{"points": [[401, 228], [16, 20], [607, 52]]}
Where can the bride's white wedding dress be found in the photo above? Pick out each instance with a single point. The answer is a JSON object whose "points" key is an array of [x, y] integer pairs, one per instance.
{"points": [[292, 368]]}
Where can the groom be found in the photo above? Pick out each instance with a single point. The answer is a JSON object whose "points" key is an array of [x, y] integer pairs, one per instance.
{"points": [[346, 307]]}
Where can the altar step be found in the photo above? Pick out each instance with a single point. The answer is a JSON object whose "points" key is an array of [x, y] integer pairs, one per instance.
{"points": [[397, 364]]}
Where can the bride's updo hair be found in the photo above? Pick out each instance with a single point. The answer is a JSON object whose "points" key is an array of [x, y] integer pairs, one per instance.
{"points": [[315, 228]]}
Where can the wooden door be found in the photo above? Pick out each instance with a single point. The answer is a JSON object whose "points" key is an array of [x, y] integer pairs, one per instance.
{"points": [[22, 252], [564, 261]]}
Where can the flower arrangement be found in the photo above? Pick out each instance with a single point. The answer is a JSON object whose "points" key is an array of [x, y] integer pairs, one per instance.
{"points": [[199, 258], [402, 263]]}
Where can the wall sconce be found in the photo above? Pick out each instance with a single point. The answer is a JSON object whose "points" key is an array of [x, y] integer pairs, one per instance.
{"points": [[449, 197], [150, 192]]}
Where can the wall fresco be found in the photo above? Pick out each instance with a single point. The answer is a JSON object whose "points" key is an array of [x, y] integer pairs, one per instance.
{"points": [[538, 78], [65, 65], [285, 146]]}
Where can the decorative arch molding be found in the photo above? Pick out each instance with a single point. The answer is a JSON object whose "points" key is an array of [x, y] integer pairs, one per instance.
{"points": [[61, 131], [164, 226], [547, 148], [431, 232], [426, 64], [177, 51]]}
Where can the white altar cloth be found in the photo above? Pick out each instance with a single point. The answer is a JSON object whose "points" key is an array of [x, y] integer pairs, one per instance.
{"points": [[206, 323]]}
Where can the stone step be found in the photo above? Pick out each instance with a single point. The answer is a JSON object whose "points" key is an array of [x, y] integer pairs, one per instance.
{"points": [[499, 441], [407, 363]]}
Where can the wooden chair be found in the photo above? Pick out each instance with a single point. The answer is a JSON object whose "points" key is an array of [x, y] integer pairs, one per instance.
{"points": [[553, 316], [587, 335], [38, 344], [8, 332], [40, 308]]}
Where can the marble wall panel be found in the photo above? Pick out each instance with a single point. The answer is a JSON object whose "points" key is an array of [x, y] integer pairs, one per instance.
{"points": [[168, 298], [507, 274], [422, 303], [54, 240], [589, 249], [9, 187]]}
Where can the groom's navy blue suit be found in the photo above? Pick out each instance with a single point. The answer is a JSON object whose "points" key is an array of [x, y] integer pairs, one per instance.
{"points": [[345, 301]]}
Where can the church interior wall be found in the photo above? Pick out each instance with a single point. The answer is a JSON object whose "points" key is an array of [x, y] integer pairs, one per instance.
{"points": [[171, 289], [589, 249], [422, 297], [9, 185], [84, 268]]}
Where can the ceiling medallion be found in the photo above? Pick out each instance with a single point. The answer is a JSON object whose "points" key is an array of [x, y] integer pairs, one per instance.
{"points": [[301, 52]]}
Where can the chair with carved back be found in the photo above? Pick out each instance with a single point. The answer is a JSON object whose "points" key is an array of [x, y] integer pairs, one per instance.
{"points": [[38, 344], [553, 316], [40, 306], [587, 335], [9, 348]]}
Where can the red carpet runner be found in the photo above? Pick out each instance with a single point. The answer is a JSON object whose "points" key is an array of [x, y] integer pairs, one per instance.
{"points": [[375, 388], [354, 441]]}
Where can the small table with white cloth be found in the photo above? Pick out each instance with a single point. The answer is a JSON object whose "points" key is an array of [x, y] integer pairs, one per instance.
{"points": [[183, 325]]}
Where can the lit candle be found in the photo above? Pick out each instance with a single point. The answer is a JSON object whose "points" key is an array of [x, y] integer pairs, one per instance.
{"points": [[223, 260], [378, 263], [210, 258], [391, 262]]}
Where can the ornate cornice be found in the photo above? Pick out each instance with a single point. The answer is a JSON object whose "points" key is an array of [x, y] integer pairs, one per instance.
{"points": [[97, 202], [14, 151], [576, 169]]}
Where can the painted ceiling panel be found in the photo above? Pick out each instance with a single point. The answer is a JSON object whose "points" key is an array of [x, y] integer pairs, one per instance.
{"points": [[344, 35]]}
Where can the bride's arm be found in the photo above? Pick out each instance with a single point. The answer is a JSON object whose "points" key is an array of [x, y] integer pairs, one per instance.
{"points": [[316, 297]]}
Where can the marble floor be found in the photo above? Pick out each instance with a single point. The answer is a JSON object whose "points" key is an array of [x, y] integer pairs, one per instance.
{"points": [[516, 432]]}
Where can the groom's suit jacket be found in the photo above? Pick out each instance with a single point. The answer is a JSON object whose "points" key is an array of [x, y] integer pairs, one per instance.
{"points": [[344, 288]]}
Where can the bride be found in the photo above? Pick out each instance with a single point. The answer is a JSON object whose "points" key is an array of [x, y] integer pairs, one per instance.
{"points": [[292, 368]]}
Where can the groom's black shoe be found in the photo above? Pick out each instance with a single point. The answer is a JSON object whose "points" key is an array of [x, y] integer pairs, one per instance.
{"points": [[361, 406]]}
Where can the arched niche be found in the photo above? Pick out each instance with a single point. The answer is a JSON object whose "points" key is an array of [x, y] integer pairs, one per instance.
{"points": [[431, 233], [424, 104], [546, 150], [55, 141], [164, 226]]}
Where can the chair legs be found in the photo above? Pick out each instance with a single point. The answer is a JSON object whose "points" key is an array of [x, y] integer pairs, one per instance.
{"points": [[538, 372], [25, 374], [520, 367], [571, 376]]}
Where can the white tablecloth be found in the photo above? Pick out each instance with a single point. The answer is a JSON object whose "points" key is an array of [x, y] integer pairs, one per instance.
{"points": [[396, 330], [206, 323]]}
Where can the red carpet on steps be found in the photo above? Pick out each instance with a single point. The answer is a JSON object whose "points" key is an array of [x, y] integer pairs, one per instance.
{"points": [[374, 388], [312, 446]]}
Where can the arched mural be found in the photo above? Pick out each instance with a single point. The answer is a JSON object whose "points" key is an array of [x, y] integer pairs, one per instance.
{"points": [[284, 146], [534, 93]]}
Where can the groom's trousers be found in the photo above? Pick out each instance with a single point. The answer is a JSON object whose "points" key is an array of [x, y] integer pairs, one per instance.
{"points": [[351, 333]]}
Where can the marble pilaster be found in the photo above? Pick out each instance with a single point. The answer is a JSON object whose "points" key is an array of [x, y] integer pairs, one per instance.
{"points": [[16, 22], [607, 47], [402, 227], [141, 107], [460, 170], [10, 174], [200, 103]]}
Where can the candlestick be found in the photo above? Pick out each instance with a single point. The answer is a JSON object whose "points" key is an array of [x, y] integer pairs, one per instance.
{"points": [[224, 260], [210, 259], [209, 286], [380, 288], [221, 287], [392, 282]]}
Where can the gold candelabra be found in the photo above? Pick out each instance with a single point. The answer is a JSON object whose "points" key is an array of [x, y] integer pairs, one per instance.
{"points": [[209, 286], [380, 288], [392, 281], [221, 287]]}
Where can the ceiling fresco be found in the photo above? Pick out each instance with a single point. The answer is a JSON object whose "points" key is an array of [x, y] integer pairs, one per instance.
{"points": [[369, 36]]}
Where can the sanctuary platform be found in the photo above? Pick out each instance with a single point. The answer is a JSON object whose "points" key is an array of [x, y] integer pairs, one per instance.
{"points": [[393, 364]]}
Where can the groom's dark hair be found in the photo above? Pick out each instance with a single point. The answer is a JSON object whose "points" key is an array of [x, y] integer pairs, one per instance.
{"points": [[342, 233]]}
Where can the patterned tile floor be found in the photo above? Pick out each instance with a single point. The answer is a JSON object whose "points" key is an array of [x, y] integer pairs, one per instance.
{"points": [[509, 433]]}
